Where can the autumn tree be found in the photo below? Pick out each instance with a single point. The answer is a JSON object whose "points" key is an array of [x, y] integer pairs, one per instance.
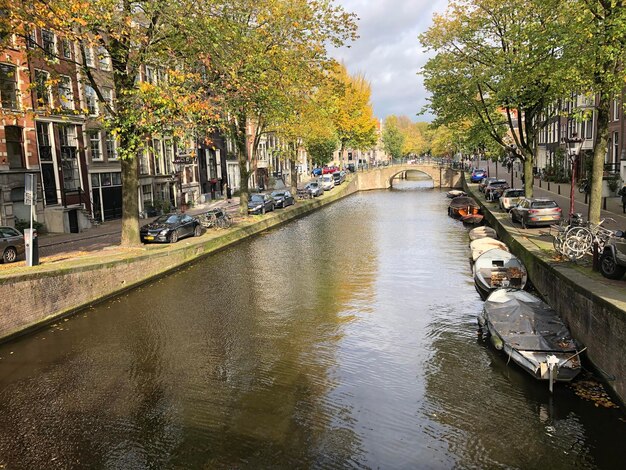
{"points": [[131, 34], [498, 64], [597, 46], [393, 138], [354, 116], [268, 56]]}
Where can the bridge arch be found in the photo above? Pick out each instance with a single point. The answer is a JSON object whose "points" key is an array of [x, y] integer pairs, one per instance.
{"points": [[405, 174], [381, 177]]}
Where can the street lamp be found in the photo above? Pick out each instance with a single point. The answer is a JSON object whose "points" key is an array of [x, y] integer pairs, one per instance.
{"points": [[573, 144], [179, 166]]}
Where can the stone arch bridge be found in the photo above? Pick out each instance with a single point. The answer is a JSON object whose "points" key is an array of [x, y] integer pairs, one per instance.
{"points": [[382, 177]]}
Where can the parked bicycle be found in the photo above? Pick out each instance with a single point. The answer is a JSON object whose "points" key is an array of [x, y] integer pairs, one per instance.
{"points": [[215, 218], [576, 238], [584, 186]]}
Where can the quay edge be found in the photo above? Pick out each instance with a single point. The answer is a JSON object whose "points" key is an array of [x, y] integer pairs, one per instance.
{"points": [[593, 308]]}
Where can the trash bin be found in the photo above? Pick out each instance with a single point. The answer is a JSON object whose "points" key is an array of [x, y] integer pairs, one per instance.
{"points": [[34, 260]]}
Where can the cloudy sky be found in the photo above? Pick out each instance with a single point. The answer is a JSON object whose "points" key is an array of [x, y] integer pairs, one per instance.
{"points": [[388, 52]]}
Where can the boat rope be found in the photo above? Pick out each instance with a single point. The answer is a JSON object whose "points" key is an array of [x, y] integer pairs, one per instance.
{"points": [[573, 356]]}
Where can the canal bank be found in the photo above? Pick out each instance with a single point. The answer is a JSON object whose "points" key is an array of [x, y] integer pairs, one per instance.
{"points": [[34, 297], [593, 307]]}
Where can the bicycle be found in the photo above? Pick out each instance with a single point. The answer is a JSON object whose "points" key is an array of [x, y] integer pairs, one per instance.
{"points": [[215, 218], [583, 186], [577, 238]]}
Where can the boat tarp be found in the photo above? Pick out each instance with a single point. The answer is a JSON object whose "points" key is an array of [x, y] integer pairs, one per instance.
{"points": [[529, 326], [462, 201]]}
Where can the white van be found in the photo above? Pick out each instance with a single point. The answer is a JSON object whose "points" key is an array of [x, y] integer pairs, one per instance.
{"points": [[327, 182]]}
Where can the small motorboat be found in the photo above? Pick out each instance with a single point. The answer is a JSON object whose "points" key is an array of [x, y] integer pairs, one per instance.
{"points": [[482, 232], [472, 219], [532, 334], [498, 268], [462, 206], [455, 193], [482, 245]]}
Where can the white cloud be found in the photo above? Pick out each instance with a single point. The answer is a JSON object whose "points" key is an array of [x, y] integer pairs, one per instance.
{"points": [[388, 51]]}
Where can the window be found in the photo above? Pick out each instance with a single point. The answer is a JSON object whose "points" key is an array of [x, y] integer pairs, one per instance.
{"points": [[144, 164], [42, 89], [31, 39], [91, 100], [615, 146], [158, 156], [88, 56], [146, 191], [15, 147], [43, 141], [589, 128], [111, 146], [95, 180], [104, 60], [169, 157], [48, 43], [69, 161], [8, 86], [150, 76], [107, 94], [94, 145], [66, 49], [616, 110], [66, 96], [116, 179]]}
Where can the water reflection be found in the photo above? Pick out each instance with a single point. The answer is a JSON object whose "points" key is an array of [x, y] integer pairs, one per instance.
{"points": [[343, 339]]}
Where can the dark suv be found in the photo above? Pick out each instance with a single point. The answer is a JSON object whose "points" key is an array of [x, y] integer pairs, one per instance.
{"points": [[613, 259]]}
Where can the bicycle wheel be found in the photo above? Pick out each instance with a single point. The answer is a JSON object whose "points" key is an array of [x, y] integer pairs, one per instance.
{"points": [[557, 242], [227, 221], [578, 242]]}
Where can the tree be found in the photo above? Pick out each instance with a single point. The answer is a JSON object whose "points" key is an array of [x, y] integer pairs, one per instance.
{"points": [[268, 57], [597, 40], [132, 34], [354, 116], [498, 64], [393, 138]]}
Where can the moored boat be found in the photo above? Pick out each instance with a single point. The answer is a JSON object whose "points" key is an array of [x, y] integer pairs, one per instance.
{"points": [[472, 219], [455, 193], [498, 268], [530, 333], [481, 232], [462, 206], [482, 245]]}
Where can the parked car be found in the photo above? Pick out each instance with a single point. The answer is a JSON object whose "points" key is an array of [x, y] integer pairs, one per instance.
{"points": [[613, 258], [260, 203], [327, 182], [477, 175], [317, 172], [350, 167], [536, 212], [11, 244], [314, 188], [494, 189], [170, 228], [329, 169], [339, 177], [510, 198], [484, 182], [282, 198]]}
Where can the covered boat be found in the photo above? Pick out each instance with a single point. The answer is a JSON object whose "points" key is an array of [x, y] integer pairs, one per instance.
{"points": [[482, 245], [498, 268], [462, 206], [481, 232], [455, 193], [531, 334]]}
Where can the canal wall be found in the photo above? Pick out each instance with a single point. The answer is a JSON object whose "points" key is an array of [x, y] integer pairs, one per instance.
{"points": [[42, 294], [593, 308]]}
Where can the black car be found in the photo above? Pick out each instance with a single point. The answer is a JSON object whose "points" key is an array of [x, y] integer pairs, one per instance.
{"points": [[339, 177], [169, 228], [282, 198], [260, 203]]}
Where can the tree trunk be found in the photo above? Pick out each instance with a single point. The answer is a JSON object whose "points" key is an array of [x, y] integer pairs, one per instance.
{"points": [[130, 204], [293, 172], [599, 153], [528, 176]]}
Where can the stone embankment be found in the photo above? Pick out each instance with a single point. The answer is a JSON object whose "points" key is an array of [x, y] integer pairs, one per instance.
{"points": [[593, 307]]}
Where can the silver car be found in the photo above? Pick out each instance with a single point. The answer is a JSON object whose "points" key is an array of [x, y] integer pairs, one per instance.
{"points": [[536, 212], [11, 244], [314, 189], [510, 198]]}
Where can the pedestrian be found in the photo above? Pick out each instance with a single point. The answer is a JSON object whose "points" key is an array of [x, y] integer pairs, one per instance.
{"points": [[622, 192]]}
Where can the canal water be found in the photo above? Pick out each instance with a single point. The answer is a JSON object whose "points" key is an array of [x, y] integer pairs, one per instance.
{"points": [[345, 339]]}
